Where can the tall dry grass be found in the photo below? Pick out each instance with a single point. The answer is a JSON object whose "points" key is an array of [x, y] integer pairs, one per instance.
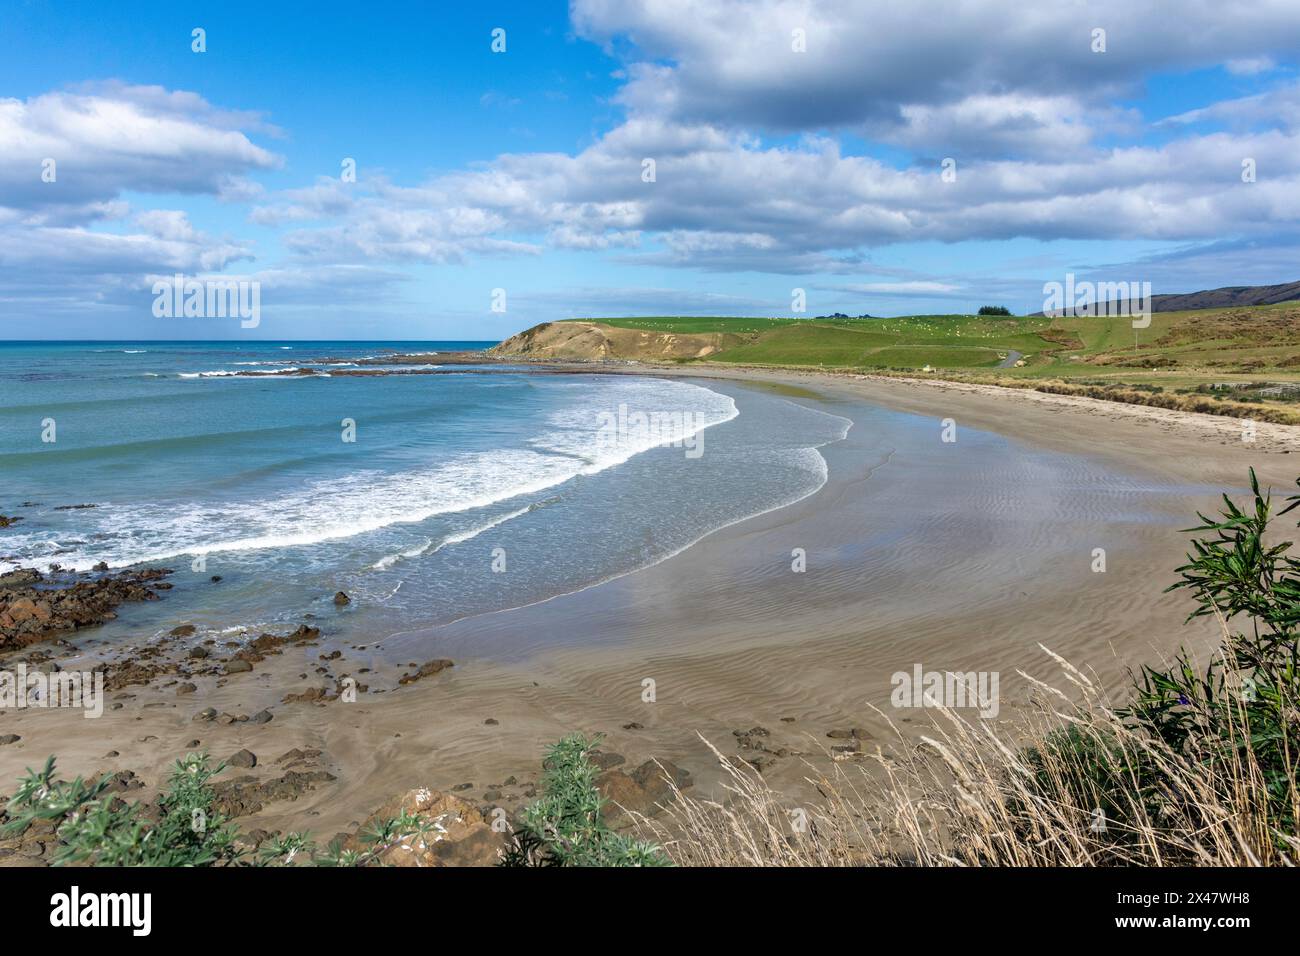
{"points": [[1074, 783]]}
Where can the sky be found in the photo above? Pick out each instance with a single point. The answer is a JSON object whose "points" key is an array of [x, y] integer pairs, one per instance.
{"points": [[517, 163]]}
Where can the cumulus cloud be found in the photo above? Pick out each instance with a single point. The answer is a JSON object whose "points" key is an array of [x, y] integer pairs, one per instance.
{"points": [[765, 159], [734, 62], [115, 139], [66, 159]]}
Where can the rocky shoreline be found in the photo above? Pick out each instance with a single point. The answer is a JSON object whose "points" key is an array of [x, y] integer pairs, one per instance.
{"points": [[36, 606], [40, 606]]}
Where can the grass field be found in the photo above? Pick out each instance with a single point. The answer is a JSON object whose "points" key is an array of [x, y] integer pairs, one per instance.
{"points": [[1239, 356]]}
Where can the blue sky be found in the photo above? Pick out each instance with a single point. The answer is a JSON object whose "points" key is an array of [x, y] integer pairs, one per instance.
{"points": [[798, 145]]}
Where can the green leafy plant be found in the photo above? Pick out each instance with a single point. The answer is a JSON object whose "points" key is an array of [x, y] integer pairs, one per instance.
{"points": [[95, 826], [564, 827], [1235, 720]]}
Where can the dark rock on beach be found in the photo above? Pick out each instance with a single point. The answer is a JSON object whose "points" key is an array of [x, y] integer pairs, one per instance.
{"points": [[245, 759], [427, 669], [36, 607]]}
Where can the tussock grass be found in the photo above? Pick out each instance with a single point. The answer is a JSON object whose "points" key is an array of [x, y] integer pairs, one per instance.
{"points": [[1074, 784]]}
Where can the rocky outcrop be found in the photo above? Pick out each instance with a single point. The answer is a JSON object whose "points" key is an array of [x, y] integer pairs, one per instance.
{"points": [[37, 607], [457, 833]]}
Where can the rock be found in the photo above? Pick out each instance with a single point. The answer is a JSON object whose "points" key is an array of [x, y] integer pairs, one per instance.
{"points": [[9, 739], [312, 695], [623, 796], [247, 794], [458, 834], [236, 667], [753, 739], [853, 733], [262, 717], [6, 522], [655, 776], [208, 713], [427, 669], [244, 759], [186, 688], [299, 758], [634, 726], [491, 722], [604, 761], [199, 653], [341, 599], [34, 607], [20, 578], [183, 630]]}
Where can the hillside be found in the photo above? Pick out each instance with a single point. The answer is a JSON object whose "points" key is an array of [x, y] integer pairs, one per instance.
{"points": [[1246, 354], [575, 340], [1240, 295]]}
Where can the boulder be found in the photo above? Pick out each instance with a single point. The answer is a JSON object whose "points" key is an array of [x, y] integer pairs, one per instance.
{"points": [[458, 833]]}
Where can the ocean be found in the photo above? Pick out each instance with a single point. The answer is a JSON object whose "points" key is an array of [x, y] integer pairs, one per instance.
{"points": [[427, 498]]}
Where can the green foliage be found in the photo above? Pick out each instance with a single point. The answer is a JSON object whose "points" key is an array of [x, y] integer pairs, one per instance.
{"points": [[994, 310], [1241, 710], [98, 828], [564, 827]]}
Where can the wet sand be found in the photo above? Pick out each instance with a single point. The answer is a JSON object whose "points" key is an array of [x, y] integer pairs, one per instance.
{"points": [[954, 555]]}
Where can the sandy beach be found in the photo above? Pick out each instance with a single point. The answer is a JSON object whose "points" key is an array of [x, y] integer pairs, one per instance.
{"points": [[952, 555]]}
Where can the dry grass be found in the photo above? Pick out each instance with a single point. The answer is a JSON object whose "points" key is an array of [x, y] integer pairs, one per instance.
{"points": [[976, 793]]}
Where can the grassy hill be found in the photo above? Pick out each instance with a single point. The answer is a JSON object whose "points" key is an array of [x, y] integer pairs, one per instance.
{"points": [[1240, 355]]}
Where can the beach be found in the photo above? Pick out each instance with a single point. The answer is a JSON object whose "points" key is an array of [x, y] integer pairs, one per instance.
{"points": [[915, 551]]}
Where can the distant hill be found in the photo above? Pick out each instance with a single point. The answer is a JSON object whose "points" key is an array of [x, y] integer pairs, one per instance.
{"points": [[1227, 297], [1232, 296]]}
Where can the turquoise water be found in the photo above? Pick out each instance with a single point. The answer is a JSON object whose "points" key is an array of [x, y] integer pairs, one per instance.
{"points": [[464, 491]]}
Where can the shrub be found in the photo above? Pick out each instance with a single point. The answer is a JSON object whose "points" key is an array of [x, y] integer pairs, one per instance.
{"points": [[98, 828], [565, 827], [994, 310]]}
